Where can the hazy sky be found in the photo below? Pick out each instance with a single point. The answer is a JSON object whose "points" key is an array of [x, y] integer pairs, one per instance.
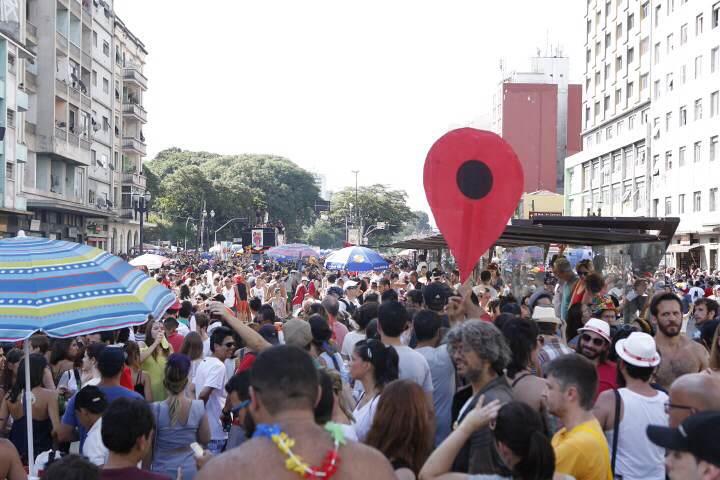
{"points": [[336, 85]]}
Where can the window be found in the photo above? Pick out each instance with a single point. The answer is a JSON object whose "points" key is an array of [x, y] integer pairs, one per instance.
{"points": [[586, 176], [681, 203], [714, 59], [712, 203], [106, 124], [683, 34], [668, 160], [698, 24], [698, 109], [607, 75], [630, 21], [697, 148], [698, 66], [106, 48], [106, 85], [644, 46], [620, 125], [670, 45], [94, 78], [606, 104], [597, 49], [714, 103], [656, 89], [587, 115], [669, 82], [629, 91], [697, 201], [589, 27], [616, 162], [606, 171], [608, 41], [713, 148], [644, 116], [95, 39], [668, 120], [588, 56], [668, 205], [597, 79], [618, 32], [618, 64], [618, 96], [597, 109], [644, 11], [681, 156], [644, 80], [658, 8], [93, 157], [716, 15], [683, 75], [609, 133], [656, 58], [683, 116], [670, 6], [631, 122]]}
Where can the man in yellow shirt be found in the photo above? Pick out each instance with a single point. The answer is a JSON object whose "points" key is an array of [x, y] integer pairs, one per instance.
{"points": [[580, 447]]}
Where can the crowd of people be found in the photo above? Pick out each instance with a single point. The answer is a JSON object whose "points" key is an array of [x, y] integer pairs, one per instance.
{"points": [[278, 372]]}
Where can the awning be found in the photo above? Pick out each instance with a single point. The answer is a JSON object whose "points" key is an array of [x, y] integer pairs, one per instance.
{"points": [[682, 248]]}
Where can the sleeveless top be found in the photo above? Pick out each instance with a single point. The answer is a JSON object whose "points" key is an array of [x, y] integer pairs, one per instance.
{"points": [[138, 386], [171, 448], [637, 457]]}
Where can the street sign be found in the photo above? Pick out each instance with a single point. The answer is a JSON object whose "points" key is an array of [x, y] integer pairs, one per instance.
{"points": [[354, 236], [322, 206]]}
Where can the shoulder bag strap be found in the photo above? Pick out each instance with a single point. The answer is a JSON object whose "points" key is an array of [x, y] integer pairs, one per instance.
{"points": [[616, 428]]}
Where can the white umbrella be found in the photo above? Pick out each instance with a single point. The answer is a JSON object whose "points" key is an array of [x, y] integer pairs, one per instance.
{"points": [[149, 260]]}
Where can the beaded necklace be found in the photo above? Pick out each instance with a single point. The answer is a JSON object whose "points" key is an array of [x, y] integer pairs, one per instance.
{"points": [[294, 462]]}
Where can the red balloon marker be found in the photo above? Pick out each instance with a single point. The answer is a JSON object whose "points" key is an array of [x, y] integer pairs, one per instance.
{"points": [[473, 183]]}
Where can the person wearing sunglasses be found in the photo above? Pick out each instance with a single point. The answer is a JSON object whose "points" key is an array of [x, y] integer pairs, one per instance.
{"points": [[594, 344], [210, 380]]}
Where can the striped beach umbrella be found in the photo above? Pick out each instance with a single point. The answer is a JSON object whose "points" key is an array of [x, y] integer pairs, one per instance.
{"points": [[292, 251], [356, 259], [66, 289]]}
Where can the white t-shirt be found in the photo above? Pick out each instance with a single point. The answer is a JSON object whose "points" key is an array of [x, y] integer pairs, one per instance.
{"points": [[212, 373], [349, 342], [364, 418], [229, 294], [94, 448], [413, 366]]}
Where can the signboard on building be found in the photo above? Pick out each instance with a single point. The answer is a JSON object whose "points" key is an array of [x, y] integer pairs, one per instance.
{"points": [[257, 238], [544, 214], [35, 225], [10, 18], [354, 236]]}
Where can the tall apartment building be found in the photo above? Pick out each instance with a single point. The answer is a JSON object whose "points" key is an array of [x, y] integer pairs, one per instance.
{"points": [[651, 119], [685, 113], [70, 162], [610, 175], [538, 113]]}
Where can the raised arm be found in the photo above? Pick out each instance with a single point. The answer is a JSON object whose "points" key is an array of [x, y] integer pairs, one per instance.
{"points": [[252, 339]]}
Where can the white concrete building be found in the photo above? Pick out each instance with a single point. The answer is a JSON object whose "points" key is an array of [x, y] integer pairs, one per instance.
{"points": [[685, 113], [611, 173]]}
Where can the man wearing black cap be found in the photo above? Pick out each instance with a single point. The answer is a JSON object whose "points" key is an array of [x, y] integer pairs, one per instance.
{"points": [[110, 364], [693, 449], [435, 296]]}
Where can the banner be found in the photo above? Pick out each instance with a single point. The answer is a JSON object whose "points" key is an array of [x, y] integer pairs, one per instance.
{"points": [[257, 238]]}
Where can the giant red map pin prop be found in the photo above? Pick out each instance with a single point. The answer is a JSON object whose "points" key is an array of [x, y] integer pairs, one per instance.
{"points": [[473, 182]]}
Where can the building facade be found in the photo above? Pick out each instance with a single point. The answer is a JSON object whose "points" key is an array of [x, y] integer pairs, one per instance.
{"points": [[651, 119], [538, 113], [65, 123]]}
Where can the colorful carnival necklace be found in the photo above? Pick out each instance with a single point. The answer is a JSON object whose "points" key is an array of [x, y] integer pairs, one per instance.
{"points": [[294, 462]]}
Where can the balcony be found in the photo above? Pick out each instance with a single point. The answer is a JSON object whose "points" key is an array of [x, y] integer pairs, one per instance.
{"points": [[85, 101], [86, 60], [134, 75], [31, 81], [133, 145], [21, 153], [134, 111], [29, 128], [75, 7], [61, 88], [21, 99], [87, 8], [64, 3], [62, 43], [85, 144], [31, 33], [126, 213], [61, 134], [134, 179], [75, 95], [74, 51]]}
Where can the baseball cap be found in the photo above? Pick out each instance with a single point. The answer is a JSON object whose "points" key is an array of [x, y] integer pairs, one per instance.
{"points": [[350, 284], [694, 435], [598, 326], [297, 332], [435, 295], [269, 333]]}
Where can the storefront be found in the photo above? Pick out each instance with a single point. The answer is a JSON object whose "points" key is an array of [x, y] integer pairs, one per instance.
{"points": [[96, 231]]}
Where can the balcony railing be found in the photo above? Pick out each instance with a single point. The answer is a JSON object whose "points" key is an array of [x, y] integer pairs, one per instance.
{"points": [[85, 144], [73, 140], [134, 145], [134, 109], [86, 59], [61, 133], [74, 51], [75, 95], [29, 128], [85, 101], [133, 74], [75, 7], [31, 31], [61, 87], [126, 213], [62, 42], [31, 81], [134, 179]]}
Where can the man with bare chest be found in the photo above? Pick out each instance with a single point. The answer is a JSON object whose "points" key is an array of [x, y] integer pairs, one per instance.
{"points": [[284, 389], [679, 354]]}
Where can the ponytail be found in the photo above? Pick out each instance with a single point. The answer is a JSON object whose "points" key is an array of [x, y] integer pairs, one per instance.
{"points": [[384, 359], [539, 463]]}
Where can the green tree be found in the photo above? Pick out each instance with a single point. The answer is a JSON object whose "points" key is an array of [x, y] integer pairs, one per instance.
{"points": [[374, 204], [418, 225], [324, 235]]}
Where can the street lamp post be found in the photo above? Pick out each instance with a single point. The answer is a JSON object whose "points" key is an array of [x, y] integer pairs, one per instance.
{"points": [[141, 206], [202, 230], [358, 223], [186, 225], [212, 225]]}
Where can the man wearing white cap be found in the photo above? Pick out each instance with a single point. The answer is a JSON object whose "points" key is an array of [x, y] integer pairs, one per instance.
{"points": [[594, 344], [552, 345], [625, 414]]}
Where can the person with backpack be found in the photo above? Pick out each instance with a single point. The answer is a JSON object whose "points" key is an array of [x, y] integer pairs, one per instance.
{"points": [[625, 413]]}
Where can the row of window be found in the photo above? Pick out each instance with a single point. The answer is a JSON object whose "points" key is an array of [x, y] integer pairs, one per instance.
{"points": [[697, 154], [697, 203], [616, 129]]}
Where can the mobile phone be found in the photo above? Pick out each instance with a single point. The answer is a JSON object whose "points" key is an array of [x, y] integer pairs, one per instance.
{"points": [[197, 449]]}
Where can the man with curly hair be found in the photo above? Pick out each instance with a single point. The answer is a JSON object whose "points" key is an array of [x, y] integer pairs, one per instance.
{"points": [[480, 354]]}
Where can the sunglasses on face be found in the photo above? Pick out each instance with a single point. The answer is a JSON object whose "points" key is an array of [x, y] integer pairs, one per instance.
{"points": [[229, 345], [598, 342]]}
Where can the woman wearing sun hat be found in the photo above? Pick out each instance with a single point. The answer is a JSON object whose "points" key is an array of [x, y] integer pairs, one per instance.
{"points": [[625, 413]]}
